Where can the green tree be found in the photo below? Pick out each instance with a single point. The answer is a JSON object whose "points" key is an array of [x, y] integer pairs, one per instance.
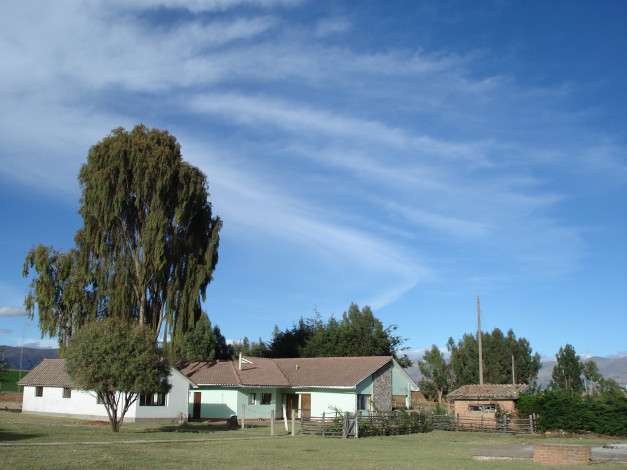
{"points": [[292, 341], [358, 333], [62, 294], [567, 371], [119, 362], [199, 343], [224, 350], [259, 349], [437, 374], [498, 350], [591, 373], [241, 347], [148, 246]]}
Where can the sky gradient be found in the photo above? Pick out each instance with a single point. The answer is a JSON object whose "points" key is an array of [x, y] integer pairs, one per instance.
{"points": [[403, 155]]}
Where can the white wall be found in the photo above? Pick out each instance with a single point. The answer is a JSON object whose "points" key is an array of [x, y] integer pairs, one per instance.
{"points": [[176, 408], [80, 405], [83, 405]]}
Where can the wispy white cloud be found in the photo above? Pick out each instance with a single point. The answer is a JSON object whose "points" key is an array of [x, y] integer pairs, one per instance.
{"points": [[5, 331], [330, 26], [420, 139], [12, 312]]}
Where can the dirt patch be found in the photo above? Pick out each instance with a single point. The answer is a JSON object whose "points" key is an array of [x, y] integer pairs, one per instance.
{"points": [[96, 423]]}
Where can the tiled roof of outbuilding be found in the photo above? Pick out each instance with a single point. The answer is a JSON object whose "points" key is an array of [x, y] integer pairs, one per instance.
{"points": [[478, 392], [48, 373]]}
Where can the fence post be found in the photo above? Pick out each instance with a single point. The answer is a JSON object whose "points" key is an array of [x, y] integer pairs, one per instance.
{"points": [[323, 424], [457, 422], [243, 414], [302, 422], [272, 422], [285, 418], [293, 422], [357, 425]]}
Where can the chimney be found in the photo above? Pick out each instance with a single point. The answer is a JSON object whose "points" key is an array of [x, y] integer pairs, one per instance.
{"points": [[240, 360]]}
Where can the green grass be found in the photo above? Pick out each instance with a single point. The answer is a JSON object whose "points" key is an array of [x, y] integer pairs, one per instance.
{"points": [[237, 448], [9, 381]]}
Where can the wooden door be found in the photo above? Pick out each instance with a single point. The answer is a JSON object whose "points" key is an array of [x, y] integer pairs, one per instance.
{"points": [[291, 403], [305, 405], [196, 412]]}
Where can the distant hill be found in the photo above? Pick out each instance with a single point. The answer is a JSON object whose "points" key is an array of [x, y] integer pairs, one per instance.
{"points": [[610, 369], [30, 356]]}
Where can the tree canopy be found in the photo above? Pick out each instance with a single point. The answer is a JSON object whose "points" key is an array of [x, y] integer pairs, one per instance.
{"points": [[119, 362], [148, 245], [567, 371], [498, 350], [358, 333], [437, 374], [202, 343], [62, 294]]}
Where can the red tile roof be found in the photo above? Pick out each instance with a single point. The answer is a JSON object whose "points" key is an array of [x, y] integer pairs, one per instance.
{"points": [[332, 372], [478, 392], [48, 373]]}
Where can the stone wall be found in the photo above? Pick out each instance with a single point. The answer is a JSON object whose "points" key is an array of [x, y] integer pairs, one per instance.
{"points": [[382, 388]]}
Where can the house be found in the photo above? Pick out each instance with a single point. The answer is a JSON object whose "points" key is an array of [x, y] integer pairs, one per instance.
{"points": [[255, 387], [483, 401], [49, 390]]}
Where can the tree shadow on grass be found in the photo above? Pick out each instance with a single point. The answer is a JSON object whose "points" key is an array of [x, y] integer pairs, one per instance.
{"points": [[203, 427], [10, 436]]}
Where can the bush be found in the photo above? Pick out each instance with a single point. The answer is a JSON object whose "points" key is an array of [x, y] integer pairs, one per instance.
{"points": [[573, 412]]}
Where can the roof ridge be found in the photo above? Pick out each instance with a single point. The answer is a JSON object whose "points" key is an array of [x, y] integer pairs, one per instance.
{"points": [[234, 369]]}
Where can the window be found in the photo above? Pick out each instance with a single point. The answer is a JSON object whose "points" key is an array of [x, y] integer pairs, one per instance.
{"points": [[252, 398], [266, 398], [67, 392], [363, 402], [486, 408], [39, 391], [152, 399]]}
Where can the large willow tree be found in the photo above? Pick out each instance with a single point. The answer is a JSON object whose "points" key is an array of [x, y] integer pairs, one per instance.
{"points": [[149, 242]]}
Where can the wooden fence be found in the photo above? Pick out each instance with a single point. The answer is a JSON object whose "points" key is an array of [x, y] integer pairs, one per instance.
{"points": [[502, 424], [394, 423], [327, 425]]}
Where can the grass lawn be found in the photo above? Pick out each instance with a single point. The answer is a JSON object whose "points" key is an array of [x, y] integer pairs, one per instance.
{"points": [[9, 381], [237, 448]]}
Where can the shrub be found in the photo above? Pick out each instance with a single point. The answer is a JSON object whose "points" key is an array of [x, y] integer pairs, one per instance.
{"points": [[573, 412]]}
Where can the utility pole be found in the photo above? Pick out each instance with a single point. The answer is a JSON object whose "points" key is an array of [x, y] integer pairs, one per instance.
{"points": [[513, 372], [479, 339]]}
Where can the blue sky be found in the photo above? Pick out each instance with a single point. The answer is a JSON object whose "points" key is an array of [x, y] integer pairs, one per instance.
{"points": [[403, 155]]}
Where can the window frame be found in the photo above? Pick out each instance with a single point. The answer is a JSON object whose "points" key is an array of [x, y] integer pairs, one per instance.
{"points": [[266, 399], [153, 399], [481, 408], [252, 398], [67, 392], [363, 402], [39, 391]]}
